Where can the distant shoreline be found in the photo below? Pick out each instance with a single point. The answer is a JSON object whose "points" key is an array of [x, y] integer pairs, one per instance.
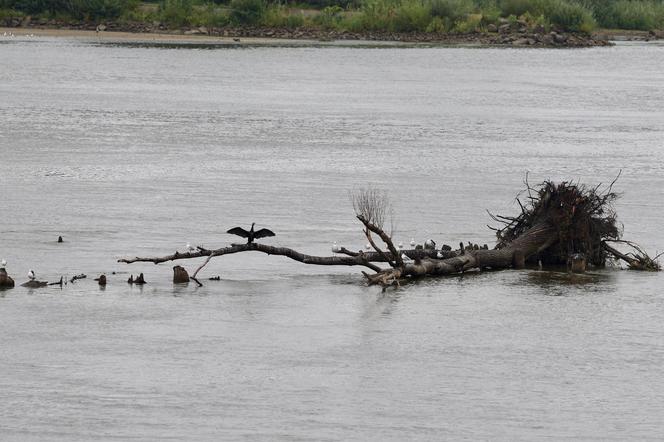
{"points": [[261, 35]]}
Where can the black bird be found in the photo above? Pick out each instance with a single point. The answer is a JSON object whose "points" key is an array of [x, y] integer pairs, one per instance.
{"points": [[250, 235]]}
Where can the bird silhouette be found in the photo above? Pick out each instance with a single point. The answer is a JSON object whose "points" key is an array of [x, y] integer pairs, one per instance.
{"points": [[251, 235]]}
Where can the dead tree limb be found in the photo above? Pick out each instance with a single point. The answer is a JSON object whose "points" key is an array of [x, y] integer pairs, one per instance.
{"points": [[263, 248]]}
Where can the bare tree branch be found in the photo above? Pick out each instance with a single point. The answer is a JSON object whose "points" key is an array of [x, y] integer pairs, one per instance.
{"points": [[263, 248]]}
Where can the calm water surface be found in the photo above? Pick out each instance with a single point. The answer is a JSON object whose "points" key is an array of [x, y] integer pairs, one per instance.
{"points": [[139, 150]]}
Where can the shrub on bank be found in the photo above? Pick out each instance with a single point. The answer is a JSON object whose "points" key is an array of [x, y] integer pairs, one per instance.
{"points": [[329, 18], [441, 16], [176, 13], [570, 16], [411, 16], [211, 16], [626, 14], [247, 12], [79, 9], [566, 14]]}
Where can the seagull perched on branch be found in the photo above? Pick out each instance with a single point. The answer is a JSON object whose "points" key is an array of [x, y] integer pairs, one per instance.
{"points": [[430, 244], [412, 242], [3, 264], [31, 275], [250, 235], [335, 248], [190, 248]]}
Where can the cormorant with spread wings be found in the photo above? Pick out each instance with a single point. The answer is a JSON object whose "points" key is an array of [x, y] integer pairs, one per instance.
{"points": [[250, 235]]}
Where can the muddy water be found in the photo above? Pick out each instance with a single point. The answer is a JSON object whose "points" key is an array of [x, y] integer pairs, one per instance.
{"points": [[127, 150]]}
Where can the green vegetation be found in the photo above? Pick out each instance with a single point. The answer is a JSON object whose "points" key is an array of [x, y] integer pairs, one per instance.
{"points": [[443, 16], [630, 14], [78, 9]]}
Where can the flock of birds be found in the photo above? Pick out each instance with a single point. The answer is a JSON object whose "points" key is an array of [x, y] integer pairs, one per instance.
{"points": [[428, 244], [251, 235], [12, 35]]}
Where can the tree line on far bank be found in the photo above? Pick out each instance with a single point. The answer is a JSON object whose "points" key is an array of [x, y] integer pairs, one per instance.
{"points": [[440, 16]]}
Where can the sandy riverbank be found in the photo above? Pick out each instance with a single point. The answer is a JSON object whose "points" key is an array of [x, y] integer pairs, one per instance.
{"points": [[267, 36]]}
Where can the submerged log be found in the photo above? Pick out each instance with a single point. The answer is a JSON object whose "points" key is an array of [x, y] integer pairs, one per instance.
{"points": [[34, 284]]}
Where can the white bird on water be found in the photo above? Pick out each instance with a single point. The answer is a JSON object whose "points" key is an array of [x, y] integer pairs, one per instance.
{"points": [[412, 242], [335, 248], [3, 264], [367, 246], [31, 275], [400, 245]]}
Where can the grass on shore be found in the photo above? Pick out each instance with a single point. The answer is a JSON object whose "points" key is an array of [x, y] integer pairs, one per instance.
{"points": [[443, 16]]}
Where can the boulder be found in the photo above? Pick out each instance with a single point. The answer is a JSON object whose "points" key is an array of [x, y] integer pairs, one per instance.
{"points": [[523, 42], [492, 28], [558, 38]]}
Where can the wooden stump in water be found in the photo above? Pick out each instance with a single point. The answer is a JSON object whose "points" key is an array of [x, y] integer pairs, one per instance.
{"points": [[6, 282], [180, 275], [101, 280]]}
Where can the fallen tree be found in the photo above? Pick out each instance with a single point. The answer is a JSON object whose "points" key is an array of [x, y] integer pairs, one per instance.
{"points": [[558, 224]]}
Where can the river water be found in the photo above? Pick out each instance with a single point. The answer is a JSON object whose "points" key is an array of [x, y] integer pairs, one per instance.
{"points": [[136, 150]]}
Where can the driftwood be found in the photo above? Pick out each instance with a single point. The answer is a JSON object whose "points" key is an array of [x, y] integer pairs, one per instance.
{"points": [[562, 224], [60, 282], [34, 284], [140, 279], [77, 277]]}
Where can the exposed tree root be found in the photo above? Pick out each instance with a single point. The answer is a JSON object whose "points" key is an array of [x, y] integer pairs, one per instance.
{"points": [[638, 259]]}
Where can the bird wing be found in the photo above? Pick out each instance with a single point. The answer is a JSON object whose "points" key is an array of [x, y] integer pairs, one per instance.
{"points": [[239, 231], [262, 233]]}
